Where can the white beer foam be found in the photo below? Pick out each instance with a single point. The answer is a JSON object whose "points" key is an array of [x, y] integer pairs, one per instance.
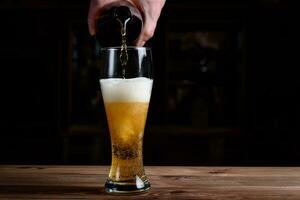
{"points": [[126, 90]]}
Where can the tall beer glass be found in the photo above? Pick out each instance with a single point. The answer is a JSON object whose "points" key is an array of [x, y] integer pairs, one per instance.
{"points": [[126, 92]]}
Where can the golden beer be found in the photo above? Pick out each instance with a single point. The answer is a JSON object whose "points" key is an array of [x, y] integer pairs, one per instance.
{"points": [[126, 104], [126, 124]]}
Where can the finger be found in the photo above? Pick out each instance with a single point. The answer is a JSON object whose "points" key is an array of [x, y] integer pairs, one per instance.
{"points": [[140, 43], [146, 33], [93, 15], [91, 20], [92, 26]]}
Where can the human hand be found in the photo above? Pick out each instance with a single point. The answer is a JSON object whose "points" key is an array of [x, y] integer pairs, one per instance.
{"points": [[150, 10]]}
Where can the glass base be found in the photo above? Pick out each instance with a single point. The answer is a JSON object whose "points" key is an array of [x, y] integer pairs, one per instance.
{"points": [[139, 186]]}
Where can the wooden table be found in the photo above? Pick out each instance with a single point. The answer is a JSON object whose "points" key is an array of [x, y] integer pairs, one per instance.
{"points": [[86, 182]]}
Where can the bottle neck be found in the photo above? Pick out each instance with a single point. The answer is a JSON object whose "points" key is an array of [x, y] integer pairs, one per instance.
{"points": [[115, 18]]}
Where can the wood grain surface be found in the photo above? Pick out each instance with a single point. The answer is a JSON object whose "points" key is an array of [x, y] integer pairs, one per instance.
{"points": [[210, 183]]}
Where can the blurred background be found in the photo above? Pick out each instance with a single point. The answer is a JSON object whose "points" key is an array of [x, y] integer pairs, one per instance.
{"points": [[225, 90]]}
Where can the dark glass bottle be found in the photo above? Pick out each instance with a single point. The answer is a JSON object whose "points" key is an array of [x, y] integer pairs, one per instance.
{"points": [[110, 23]]}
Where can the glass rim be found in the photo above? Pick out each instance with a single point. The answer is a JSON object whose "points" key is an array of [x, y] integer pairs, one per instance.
{"points": [[128, 48]]}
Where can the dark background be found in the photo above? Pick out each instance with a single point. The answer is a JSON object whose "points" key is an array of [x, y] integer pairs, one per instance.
{"points": [[225, 92]]}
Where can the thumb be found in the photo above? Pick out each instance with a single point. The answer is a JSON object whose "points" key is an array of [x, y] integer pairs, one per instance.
{"points": [[93, 15]]}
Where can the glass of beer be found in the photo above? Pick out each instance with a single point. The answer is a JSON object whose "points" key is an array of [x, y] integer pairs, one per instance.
{"points": [[126, 91]]}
